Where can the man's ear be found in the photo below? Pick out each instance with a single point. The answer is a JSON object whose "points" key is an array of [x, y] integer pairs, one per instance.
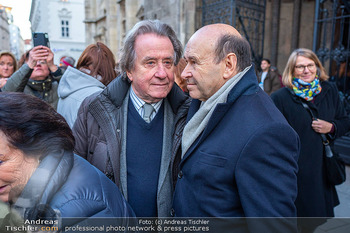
{"points": [[230, 65], [129, 75]]}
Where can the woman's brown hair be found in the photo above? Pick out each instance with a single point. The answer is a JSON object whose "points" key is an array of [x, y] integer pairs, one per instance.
{"points": [[99, 60], [177, 72]]}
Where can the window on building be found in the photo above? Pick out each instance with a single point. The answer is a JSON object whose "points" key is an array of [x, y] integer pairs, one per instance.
{"points": [[64, 28], [65, 17]]}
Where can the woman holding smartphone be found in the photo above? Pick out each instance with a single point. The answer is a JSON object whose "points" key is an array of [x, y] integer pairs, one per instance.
{"points": [[38, 76]]}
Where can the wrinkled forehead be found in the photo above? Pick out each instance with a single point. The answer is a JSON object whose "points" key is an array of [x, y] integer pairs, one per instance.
{"points": [[152, 43], [304, 60], [199, 46]]}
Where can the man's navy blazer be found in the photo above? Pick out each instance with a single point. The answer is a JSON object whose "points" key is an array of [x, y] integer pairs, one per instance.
{"points": [[244, 163]]}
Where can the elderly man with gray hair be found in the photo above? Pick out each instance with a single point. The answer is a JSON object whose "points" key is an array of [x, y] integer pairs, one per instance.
{"points": [[131, 131]]}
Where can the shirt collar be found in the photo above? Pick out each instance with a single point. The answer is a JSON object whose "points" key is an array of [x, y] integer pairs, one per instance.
{"points": [[138, 102]]}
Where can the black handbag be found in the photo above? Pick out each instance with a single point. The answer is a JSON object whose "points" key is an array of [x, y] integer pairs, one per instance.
{"points": [[335, 167]]}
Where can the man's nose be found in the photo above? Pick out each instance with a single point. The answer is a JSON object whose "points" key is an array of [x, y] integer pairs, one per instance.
{"points": [[161, 73], [186, 73]]}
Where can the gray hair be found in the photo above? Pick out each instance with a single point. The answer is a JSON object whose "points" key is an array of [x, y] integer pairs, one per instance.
{"points": [[128, 54], [229, 43]]}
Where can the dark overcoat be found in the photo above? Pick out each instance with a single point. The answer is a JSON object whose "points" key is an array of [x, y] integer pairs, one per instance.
{"points": [[244, 164], [316, 196]]}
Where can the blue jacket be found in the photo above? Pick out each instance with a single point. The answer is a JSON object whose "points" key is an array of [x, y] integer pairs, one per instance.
{"points": [[72, 188], [244, 164]]}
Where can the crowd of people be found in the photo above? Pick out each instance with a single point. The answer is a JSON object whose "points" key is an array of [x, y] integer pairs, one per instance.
{"points": [[167, 132]]}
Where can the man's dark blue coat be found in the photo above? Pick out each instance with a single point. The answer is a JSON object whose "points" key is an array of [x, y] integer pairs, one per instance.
{"points": [[244, 164]]}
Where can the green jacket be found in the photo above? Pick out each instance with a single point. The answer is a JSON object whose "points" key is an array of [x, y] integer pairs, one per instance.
{"points": [[44, 89]]}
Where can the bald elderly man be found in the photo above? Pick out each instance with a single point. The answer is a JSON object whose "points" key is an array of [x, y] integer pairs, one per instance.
{"points": [[239, 154]]}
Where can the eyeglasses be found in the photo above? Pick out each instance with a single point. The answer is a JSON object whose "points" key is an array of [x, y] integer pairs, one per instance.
{"points": [[301, 68], [41, 62]]}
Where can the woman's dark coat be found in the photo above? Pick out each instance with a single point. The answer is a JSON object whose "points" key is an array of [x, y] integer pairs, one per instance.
{"points": [[316, 196]]}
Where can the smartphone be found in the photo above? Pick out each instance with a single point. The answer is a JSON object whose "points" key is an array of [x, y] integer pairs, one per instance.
{"points": [[41, 38]]}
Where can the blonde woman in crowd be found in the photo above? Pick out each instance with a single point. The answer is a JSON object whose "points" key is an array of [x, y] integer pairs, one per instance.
{"points": [[8, 65]]}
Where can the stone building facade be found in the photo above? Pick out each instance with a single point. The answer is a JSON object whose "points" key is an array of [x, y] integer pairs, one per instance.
{"points": [[273, 27], [281, 38], [109, 21], [4, 30], [63, 20]]}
